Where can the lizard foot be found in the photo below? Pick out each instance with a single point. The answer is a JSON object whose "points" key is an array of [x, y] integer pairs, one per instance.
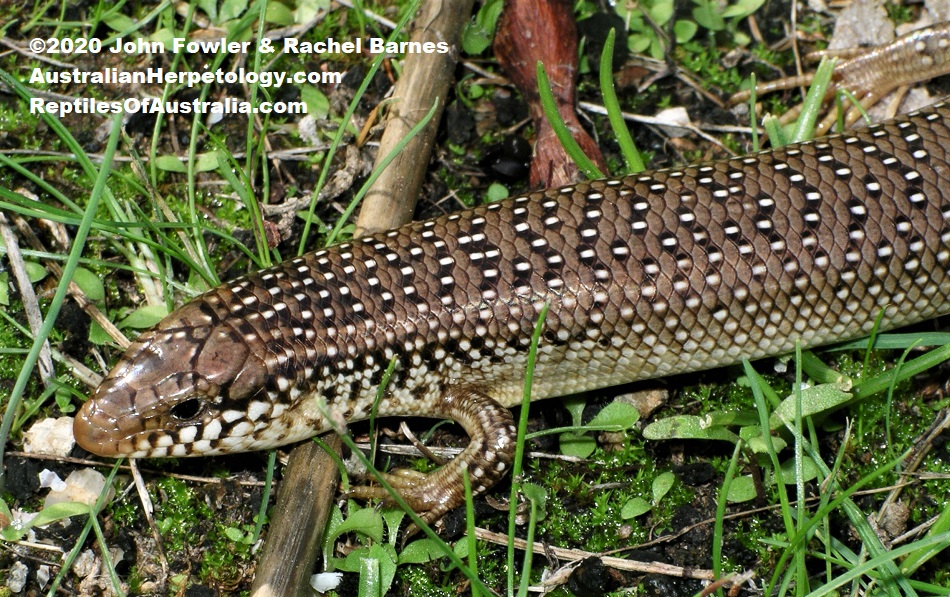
{"points": [[487, 458]]}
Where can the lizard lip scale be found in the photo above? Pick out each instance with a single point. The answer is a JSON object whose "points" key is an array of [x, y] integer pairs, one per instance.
{"points": [[653, 274]]}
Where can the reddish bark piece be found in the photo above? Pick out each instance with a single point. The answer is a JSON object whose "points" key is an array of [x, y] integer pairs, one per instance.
{"points": [[533, 30]]}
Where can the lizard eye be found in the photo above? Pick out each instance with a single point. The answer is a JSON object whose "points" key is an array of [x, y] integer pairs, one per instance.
{"points": [[189, 409]]}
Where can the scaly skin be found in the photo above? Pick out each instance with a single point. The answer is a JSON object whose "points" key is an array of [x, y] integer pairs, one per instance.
{"points": [[650, 275]]}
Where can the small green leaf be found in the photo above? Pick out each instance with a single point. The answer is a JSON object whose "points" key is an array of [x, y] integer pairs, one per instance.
{"points": [[687, 427], [809, 470], [308, 9], [279, 14], [535, 493], [661, 11], [638, 43], [366, 521], [35, 271], [232, 9], [575, 405], [97, 335], [393, 518], [474, 39], [752, 435], [170, 163], [620, 415], [742, 9], [635, 507], [336, 519], [318, 105], [758, 444], [377, 568], [487, 15], [421, 551], [662, 485], [207, 162], [90, 284], [707, 15], [120, 23], [478, 33], [496, 192], [44, 517], [537, 496], [210, 7], [144, 317], [5, 510], [58, 512], [461, 549], [816, 399], [742, 489], [164, 35], [684, 30], [727, 418], [778, 136], [64, 400], [578, 445], [750, 431], [4, 288], [234, 534], [741, 39]]}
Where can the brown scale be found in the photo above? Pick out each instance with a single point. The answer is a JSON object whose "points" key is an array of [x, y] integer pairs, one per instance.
{"points": [[658, 273]]}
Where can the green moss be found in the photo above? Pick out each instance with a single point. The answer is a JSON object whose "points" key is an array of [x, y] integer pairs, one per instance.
{"points": [[580, 513], [176, 511], [134, 580], [125, 511], [421, 580], [706, 63], [899, 13], [187, 522]]}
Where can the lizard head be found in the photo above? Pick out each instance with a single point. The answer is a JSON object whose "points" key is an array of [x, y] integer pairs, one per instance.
{"points": [[191, 386]]}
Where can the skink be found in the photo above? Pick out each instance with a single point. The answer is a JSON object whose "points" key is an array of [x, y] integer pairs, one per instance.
{"points": [[916, 56], [871, 74], [648, 275]]}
